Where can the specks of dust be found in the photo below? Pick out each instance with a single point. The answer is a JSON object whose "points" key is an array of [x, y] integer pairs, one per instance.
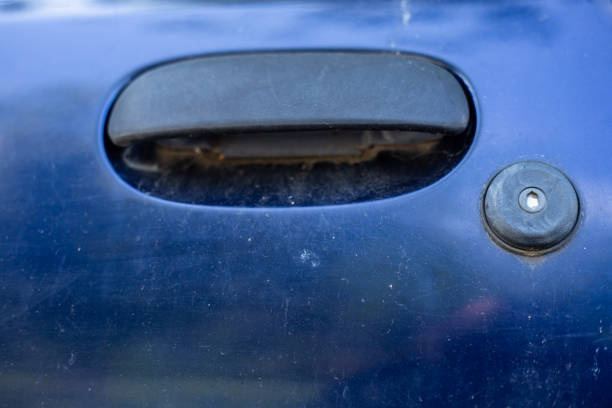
{"points": [[596, 370], [309, 257], [72, 359], [406, 15]]}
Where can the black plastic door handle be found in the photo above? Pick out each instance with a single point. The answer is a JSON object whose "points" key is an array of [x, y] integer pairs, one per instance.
{"points": [[213, 99]]}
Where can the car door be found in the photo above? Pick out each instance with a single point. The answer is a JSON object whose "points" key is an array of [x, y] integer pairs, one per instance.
{"points": [[230, 266]]}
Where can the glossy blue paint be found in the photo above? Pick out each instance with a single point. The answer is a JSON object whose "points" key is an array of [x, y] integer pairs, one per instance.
{"points": [[109, 297]]}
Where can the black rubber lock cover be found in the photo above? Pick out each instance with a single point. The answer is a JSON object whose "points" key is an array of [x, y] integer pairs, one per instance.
{"points": [[531, 206]]}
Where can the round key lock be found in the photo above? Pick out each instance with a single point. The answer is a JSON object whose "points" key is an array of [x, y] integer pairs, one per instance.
{"points": [[531, 206]]}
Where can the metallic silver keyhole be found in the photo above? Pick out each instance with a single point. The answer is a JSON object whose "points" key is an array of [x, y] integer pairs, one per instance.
{"points": [[532, 200]]}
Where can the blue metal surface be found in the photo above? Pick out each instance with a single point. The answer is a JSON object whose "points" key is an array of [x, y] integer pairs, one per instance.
{"points": [[109, 297]]}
